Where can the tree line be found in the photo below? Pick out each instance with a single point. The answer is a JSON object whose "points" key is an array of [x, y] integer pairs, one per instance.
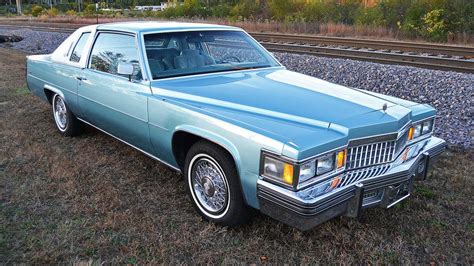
{"points": [[430, 19]]}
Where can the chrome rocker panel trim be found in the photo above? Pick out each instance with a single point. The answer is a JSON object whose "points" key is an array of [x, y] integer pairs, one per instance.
{"points": [[287, 207], [131, 145]]}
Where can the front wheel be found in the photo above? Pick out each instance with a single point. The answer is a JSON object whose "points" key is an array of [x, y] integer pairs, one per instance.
{"points": [[214, 185], [65, 120]]}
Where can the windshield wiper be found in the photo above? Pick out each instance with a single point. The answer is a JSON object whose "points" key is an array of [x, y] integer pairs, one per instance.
{"points": [[249, 67], [208, 72]]}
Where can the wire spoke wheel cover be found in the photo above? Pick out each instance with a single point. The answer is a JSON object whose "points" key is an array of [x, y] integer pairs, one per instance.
{"points": [[60, 112], [209, 186]]}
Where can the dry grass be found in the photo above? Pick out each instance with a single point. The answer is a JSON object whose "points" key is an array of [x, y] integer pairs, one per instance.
{"points": [[93, 199], [322, 29]]}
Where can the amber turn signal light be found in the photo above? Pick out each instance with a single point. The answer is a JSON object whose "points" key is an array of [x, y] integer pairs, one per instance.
{"points": [[340, 159], [410, 133], [288, 174]]}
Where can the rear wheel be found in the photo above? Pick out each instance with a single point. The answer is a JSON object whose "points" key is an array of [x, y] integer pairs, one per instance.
{"points": [[214, 185], [65, 120]]}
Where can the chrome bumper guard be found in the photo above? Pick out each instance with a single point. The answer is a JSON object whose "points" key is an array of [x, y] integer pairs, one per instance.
{"points": [[384, 191]]}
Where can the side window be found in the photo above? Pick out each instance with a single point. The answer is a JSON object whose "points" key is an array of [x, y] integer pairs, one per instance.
{"points": [[110, 49], [79, 48]]}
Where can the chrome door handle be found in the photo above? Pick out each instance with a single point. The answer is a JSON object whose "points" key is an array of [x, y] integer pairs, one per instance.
{"points": [[81, 78]]}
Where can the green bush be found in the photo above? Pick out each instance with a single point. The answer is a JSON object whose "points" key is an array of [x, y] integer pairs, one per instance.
{"points": [[393, 12], [64, 7], [52, 12], [89, 10], [459, 16], [221, 11], [316, 12], [193, 8], [280, 9], [71, 13], [346, 11], [413, 21], [434, 27], [172, 12], [430, 19], [330, 11], [369, 17], [36, 10], [245, 9]]}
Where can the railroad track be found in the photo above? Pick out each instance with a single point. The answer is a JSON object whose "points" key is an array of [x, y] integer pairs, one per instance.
{"points": [[428, 48], [433, 56]]}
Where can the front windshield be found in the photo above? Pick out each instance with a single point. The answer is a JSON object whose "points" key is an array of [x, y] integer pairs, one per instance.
{"points": [[197, 52]]}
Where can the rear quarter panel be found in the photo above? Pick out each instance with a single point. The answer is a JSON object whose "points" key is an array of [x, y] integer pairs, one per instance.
{"points": [[42, 74]]}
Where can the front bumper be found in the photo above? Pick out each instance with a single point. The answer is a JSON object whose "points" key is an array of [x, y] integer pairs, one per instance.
{"points": [[383, 190]]}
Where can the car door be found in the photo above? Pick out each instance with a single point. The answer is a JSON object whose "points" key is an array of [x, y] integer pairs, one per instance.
{"points": [[116, 104]]}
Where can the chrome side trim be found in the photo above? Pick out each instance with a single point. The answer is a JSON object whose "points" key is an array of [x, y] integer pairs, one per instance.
{"points": [[157, 126], [111, 108], [131, 145]]}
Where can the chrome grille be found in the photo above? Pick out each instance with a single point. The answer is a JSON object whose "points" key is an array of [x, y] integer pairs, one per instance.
{"points": [[374, 151], [361, 174], [370, 154]]}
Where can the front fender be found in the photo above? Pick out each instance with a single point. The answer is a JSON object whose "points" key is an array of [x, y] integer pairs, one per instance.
{"points": [[215, 138]]}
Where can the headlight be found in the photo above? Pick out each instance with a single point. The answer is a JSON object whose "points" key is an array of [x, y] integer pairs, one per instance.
{"points": [[417, 131], [427, 127], [290, 173], [307, 170], [325, 164], [421, 129], [278, 170]]}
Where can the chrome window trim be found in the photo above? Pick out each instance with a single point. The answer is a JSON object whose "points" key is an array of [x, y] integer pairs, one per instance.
{"points": [[74, 45], [96, 35], [148, 70]]}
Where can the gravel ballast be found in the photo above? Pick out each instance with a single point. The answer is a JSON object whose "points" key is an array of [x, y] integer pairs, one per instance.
{"points": [[451, 93]]}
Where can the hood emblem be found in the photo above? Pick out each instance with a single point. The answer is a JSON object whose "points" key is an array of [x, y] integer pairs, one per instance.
{"points": [[384, 107]]}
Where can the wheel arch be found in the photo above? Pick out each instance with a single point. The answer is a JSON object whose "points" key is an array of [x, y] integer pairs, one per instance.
{"points": [[185, 136], [49, 91], [197, 134]]}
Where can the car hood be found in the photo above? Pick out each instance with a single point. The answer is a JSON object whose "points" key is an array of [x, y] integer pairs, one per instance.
{"points": [[287, 104]]}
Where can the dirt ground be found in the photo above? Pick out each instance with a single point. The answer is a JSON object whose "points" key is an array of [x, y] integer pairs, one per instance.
{"points": [[92, 199]]}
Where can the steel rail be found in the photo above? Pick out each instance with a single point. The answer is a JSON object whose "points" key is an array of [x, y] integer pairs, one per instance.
{"points": [[454, 50], [348, 48], [429, 48], [438, 63]]}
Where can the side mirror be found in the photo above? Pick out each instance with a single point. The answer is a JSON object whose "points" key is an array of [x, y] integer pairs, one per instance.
{"points": [[125, 69]]}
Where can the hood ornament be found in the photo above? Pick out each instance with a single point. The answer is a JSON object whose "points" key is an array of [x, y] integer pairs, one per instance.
{"points": [[384, 107]]}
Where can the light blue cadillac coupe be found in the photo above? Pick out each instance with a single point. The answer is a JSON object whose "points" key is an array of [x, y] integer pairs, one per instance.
{"points": [[210, 102]]}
